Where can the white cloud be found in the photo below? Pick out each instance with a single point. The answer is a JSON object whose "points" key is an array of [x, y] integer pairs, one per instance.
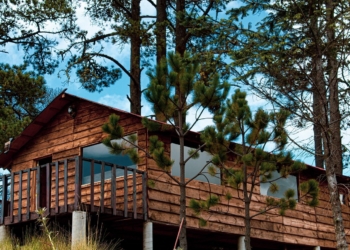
{"points": [[115, 101]]}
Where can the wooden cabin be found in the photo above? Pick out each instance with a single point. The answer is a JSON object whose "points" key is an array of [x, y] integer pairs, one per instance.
{"points": [[51, 162]]}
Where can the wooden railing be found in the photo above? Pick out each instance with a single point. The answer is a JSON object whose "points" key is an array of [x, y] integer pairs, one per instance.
{"points": [[58, 187]]}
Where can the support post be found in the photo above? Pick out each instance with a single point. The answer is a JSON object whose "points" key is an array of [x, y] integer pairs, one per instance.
{"points": [[317, 248], [78, 228], [4, 234], [241, 243], [147, 235]]}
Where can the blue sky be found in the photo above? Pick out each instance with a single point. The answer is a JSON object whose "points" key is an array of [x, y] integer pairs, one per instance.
{"points": [[116, 94]]}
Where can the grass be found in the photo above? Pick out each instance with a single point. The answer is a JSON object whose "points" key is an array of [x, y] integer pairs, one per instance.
{"points": [[52, 237]]}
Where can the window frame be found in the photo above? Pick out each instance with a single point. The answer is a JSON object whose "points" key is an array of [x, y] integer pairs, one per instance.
{"points": [[98, 165]]}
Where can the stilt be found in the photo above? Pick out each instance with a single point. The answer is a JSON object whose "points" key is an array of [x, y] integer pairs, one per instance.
{"points": [[241, 243], [148, 235], [78, 228], [4, 234]]}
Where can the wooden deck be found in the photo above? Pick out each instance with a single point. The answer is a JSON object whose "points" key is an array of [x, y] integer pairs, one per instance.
{"points": [[58, 187]]}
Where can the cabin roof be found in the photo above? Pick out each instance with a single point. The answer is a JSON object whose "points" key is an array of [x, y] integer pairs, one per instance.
{"points": [[56, 105], [40, 121]]}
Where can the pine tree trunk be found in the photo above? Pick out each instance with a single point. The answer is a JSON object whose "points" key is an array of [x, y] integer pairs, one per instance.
{"points": [[318, 85], [161, 41], [135, 71], [180, 29], [334, 116], [332, 135], [161, 30], [183, 234], [247, 219]]}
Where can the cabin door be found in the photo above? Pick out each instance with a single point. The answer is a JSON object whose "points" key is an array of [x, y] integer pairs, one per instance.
{"points": [[43, 182]]}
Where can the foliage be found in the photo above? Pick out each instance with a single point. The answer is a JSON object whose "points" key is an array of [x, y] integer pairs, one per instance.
{"points": [[34, 25], [256, 133], [297, 57], [172, 94], [128, 144], [22, 96]]}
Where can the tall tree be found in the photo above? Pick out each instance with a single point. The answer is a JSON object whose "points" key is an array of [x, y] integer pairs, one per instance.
{"points": [[183, 75], [35, 25], [22, 94], [297, 59], [234, 121]]}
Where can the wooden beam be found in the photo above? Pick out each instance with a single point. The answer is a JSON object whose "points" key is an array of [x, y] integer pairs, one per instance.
{"points": [[48, 187], [12, 195], [125, 192], [65, 185], [78, 178], [57, 177], [20, 196], [134, 193], [102, 193], [92, 184], [144, 196], [28, 194], [114, 189]]}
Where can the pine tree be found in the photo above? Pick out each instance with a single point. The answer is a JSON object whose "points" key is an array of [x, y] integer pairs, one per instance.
{"points": [[35, 26], [22, 96], [297, 58], [234, 122], [184, 75]]}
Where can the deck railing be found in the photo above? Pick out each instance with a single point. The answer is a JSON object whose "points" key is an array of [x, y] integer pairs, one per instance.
{"points": [[58, 187]]}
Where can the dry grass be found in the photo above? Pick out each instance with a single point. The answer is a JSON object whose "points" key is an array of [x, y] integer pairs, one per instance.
{"points": [[37, 240]]}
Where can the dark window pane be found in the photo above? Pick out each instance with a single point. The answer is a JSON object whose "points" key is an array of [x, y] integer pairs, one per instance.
{"points": [[193, 166], [100, 152]]}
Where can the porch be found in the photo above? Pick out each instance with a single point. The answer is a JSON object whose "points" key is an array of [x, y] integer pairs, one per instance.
{"points": [[58, 186]]}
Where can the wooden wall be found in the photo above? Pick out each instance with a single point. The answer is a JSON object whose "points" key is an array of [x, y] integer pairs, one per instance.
{"points": [[303, 226], [62, 138]]}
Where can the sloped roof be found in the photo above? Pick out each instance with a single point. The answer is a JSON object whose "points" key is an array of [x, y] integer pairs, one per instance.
{"points": [[52, 110], [39, 122]]}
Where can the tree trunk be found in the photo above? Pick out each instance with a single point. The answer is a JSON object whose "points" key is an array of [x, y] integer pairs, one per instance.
{"points": [[135, 70], [161, 30], [332, 135], [318, 87], [183, 234], [161, 42], [180, 29], [334, 116]]}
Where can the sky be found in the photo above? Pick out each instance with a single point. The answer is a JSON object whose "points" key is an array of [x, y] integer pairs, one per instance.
{"points": [[115, 95]]}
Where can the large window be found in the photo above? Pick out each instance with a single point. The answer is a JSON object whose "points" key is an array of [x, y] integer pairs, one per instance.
{"points": [[100, 152], [193, 166], [283, 185]]}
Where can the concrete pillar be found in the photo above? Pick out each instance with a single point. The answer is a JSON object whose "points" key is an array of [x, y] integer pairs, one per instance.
{"points": [[147, 235], [4, 233], [78, 228], [241, 243], [317, 248]]}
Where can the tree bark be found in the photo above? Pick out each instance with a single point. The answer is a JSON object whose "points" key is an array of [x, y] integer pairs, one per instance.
{"points": [[180, 29], [135, 70], [332, 135], [183, 234], [318, 87], [161, 30]]}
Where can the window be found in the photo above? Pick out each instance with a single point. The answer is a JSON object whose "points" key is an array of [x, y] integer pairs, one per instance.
{"points": [[283, 185], [100, 152], [193, 166]]}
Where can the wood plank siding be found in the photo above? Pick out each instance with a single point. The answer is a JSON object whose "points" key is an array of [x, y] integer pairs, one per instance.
{"points": [[57, 184], [303, 226], [61, 139]]}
